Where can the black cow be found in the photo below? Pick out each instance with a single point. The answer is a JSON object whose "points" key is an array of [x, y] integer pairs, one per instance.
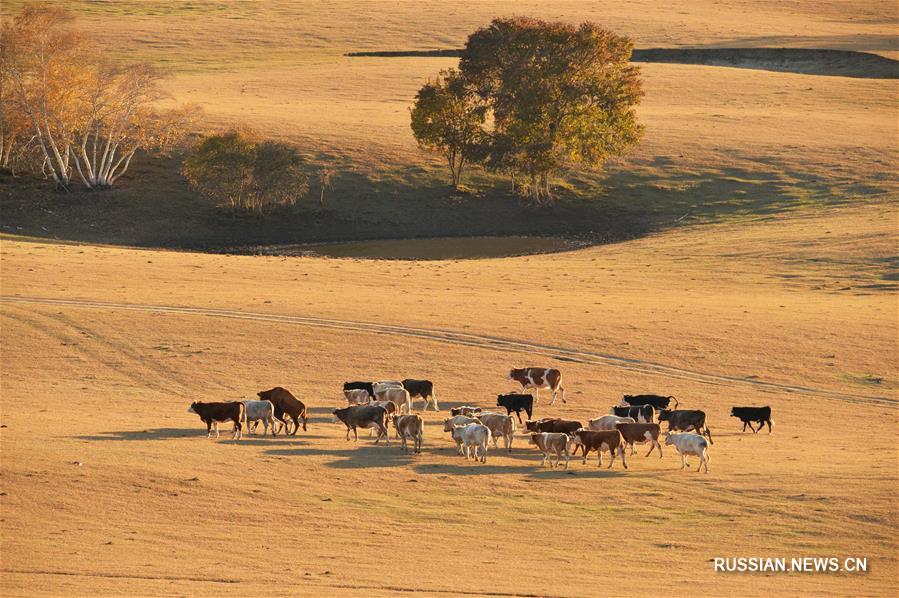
{"points": [[423, 389], [516, 402], [684, 420], [762, 415], [643, 414], [366, 386], [213, 413], [657, 401]]}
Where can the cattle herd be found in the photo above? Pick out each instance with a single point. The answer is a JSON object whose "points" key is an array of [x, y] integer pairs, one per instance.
{"points": [[375, 405]]}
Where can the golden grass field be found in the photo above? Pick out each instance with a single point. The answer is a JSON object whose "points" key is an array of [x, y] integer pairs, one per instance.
{"points": [[109, 486]]}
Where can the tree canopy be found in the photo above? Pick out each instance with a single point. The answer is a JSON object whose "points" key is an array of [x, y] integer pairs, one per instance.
{"points": [[560, 97], [448, 118]]}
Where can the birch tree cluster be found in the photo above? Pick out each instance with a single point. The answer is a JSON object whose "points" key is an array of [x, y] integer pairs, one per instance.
{"points": [[71, 114]]}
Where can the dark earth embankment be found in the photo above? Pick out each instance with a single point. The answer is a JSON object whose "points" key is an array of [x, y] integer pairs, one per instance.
{"points": [[835, 63]]}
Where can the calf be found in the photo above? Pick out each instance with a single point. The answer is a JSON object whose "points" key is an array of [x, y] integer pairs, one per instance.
{"points": [[256, 411], [657, 401], [502, 426], [366, 386], [473, 435], [286, 403], [363, 416], [396, 395], [684, 420], [538, 378], [600, 441], [549, 443], [607, 422], [356, 396], [640, 433], [458, 420], [423, 389], [747, 415], [410, 426], [641, 414], [465, 410], [690, 444], [213, 413]]}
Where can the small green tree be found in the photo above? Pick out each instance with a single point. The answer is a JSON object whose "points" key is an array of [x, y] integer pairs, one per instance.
{"points": [[449, 118], [241, 171], [561, 96]]}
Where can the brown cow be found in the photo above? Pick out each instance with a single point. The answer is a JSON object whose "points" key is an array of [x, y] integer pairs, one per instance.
{"points": [[640, 433], [213, 413], [285, 402], [549, 443], [363, 416], [555, 425], [538, 378], [410, 426], [599, 441]]}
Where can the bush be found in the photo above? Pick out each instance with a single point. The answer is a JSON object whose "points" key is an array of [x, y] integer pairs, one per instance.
{"points": [[245, 173]]}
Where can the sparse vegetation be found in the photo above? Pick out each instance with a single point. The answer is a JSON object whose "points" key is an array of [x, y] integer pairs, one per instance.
{"points": [[246, 173]]}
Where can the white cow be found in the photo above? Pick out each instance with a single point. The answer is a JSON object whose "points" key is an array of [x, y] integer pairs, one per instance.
{"points": [[356, 396], [502, 426], [264, 411], [608, 422], [690, 444], [473, 435], [458, 420], [396, 395], [551, 443]]}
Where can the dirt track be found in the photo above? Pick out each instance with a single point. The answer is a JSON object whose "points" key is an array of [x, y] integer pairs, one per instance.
{"points": [[460, 338]]}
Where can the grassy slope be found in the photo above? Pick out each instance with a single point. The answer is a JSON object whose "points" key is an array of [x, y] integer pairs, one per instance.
{"points": [[719, 141], [321, 514]]}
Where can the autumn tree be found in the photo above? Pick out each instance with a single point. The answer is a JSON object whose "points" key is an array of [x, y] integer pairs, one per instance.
{"points": [[84, 114], [561, 96], [246, 173], [448, 118]]}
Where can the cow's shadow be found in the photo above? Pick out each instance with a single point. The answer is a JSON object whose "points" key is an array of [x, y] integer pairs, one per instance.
{"points": [[359, 456], [172, 433]]}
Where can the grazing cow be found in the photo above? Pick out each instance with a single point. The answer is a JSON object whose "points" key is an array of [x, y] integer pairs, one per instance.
{"points": [[502, 426], [690, 444], [516, 402], [553, 424], [549, 443], [465, 410], [657, 401], [397, 395], [538, 378], [607, 422], [286, 403], [363, 416], [684, 420], [256, 411], [356, 396], [458, 420], [389, 407], [640, 433], [747, 415], [473, 435], [410, 426], [366, 386], [423, 389], [600, 441], [643, 414], [213, 413]]}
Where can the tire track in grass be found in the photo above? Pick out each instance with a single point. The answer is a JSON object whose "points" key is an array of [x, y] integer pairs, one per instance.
{"points": [[468, 339]]}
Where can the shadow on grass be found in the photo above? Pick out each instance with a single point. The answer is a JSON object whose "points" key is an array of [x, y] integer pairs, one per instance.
{"points": [[155, 208]]}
